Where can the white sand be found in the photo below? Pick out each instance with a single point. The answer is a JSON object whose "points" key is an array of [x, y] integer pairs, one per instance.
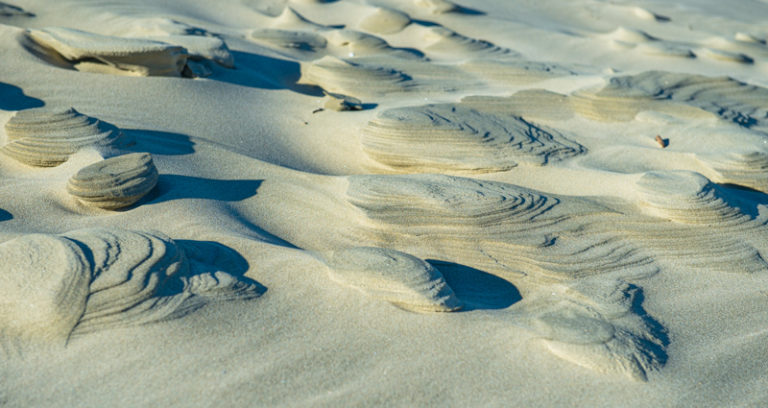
{"points": [[390, 203]]}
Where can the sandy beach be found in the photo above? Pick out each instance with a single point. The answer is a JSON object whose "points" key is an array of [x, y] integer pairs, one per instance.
{"points": [[400, 203]]}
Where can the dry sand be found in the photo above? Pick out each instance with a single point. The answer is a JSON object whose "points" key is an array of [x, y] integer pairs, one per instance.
{"points": [[383, 203]]}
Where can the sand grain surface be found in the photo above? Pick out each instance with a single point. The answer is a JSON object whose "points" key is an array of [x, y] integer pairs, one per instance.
{"points": [[390, 203]]}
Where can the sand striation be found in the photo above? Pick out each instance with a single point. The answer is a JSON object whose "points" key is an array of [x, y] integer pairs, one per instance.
{"points": [[47, 137], [93, 279], [453, 203], [116, 182], [91, 52], [452, 138]]}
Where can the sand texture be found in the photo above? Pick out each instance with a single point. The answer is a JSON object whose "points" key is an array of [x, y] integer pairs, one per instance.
{"points": [[281, 203]]}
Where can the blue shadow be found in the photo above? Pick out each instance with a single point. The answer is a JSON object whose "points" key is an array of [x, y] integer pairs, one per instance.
{"points": [[177, 187], [477, 289], [12, 98], [160, 143]]}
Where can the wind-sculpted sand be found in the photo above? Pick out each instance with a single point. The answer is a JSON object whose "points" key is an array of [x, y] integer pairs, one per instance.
{"points": [[396, 277], [59, 286], [354, 77], [95, 53], [170, 55], [452, 203], [452, 138], [553, 248], [47, 137], [115, 182]]}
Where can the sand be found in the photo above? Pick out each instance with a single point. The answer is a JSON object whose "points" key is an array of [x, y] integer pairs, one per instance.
{"points": [[389, 203]]}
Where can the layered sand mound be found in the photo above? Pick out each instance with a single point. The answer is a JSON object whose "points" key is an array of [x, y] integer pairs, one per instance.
{"points": [[58, 286], [47, 137]]}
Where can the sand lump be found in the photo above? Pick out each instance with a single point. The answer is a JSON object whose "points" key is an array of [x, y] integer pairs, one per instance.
{"points": [[47, 137], [116, 182]]}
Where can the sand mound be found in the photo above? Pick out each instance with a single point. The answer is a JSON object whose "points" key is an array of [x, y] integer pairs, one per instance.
{"points": [[44, 286], [47, 137], [349, 43], [355, 78], [401, 279], [451, 138], [610, 334], [90, 52], [384, 21], [116, 182], [437, 6], [688, 198], [290, 19], [94, 279]]}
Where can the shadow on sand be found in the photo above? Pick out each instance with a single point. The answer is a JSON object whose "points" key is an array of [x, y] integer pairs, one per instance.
{"points": [[12, 98], [477, 289], [177, 187], [261, 71]]}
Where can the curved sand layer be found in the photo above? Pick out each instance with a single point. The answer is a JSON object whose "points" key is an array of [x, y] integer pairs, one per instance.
{"points": [[116, 182], [94, 279], [350, 43], [451, 138], [516, 73], [498, 227], [448, 43], [9, 10], [47, 137], [730, 99], [91, 52], [354, 77]]}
